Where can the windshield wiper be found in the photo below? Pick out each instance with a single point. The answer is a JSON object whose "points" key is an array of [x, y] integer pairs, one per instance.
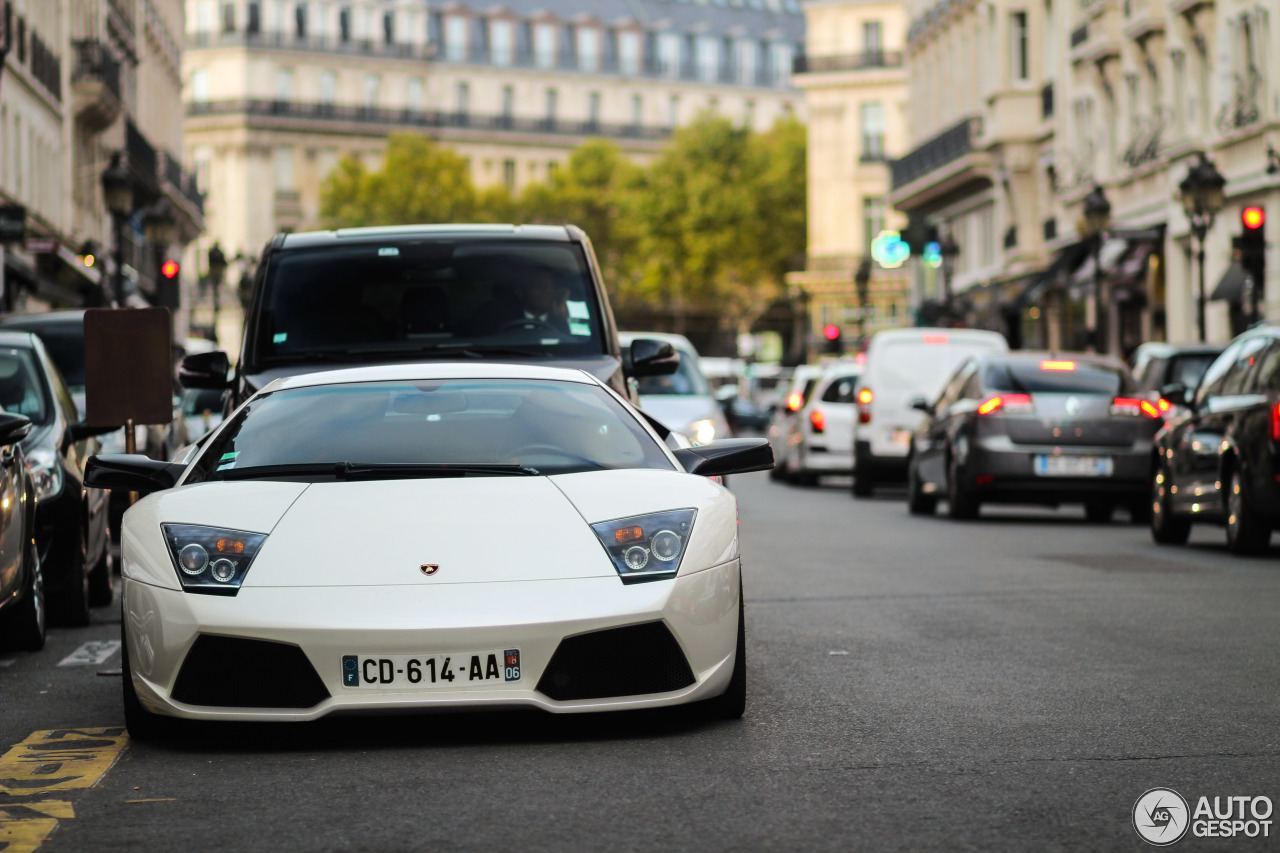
{"points": [[474, 350], [269, 471], [376, 470]]}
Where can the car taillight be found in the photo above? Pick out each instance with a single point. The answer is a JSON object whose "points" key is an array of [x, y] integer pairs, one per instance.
{"points": [[864, 405], [1134, 407], [1163, 405], [818, 420], [1008, 402], [795, 401], [1275, 421]]}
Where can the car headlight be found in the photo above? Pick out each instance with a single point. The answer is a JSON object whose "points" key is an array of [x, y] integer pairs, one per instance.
{"points": [[647, 547], [211, 560], [46, 472], [703, 431]]}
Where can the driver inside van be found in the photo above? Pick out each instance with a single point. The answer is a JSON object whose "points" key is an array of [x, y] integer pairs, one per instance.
{"points": [[527, 298]]}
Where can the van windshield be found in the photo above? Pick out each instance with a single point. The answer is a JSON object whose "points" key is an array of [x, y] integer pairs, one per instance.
{"points": [[434, 298]]}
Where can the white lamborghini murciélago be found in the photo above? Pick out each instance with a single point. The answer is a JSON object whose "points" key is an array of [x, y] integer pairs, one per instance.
{"points": [[426, 536]]}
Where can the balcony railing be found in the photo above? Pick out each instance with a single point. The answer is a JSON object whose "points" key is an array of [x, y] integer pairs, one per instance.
{"points": [[123, 8], [427, 119], [756, 74], [1080, 35], [952, 144], [46, 66], [95, 62], [143, 160], [848, 61]]}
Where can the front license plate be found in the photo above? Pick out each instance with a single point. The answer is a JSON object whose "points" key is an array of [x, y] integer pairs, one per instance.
{"points": [[1073, 466], [424, 672]]}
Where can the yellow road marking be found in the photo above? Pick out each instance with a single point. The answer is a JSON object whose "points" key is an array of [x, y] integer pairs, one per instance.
{"points": [[50, 762], [24, 836]]}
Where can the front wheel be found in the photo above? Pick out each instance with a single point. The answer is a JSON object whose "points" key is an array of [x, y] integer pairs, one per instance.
{"points": [[24, 628], [732, 704], [961, 503], [141, 723], [1166, 527], [1247, 532], [918, 503]]}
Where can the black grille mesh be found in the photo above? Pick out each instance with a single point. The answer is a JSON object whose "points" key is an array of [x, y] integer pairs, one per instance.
{"points": [[626, 661], [233, 672]]}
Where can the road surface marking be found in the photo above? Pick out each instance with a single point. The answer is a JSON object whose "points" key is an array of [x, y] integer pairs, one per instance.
{"points": [[7, 662], [92, 652], [50, 762]]}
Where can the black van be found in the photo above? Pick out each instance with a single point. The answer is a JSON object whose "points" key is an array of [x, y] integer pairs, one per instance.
{"points": [[509, 293]]}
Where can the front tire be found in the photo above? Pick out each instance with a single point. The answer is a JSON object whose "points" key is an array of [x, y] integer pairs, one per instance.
{"points": [[961, 503], [732, 704], [1166, 527], [918, 503], [1247, 533], [141, 723]]}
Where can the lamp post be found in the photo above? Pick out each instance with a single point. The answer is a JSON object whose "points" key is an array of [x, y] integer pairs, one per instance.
{"points": [[117, 193], [217, 269], [1202, 198], [1097, 219], [862, 278], [948, 251]]}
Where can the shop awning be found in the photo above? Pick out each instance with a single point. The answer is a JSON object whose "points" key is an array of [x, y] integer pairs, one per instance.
{"points": [[1109, 256], [1068, 259], [1129, 280], [1231, 286]]}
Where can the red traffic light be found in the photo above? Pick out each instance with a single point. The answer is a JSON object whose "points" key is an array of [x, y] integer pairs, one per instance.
{"points": [[1253, 218], [831, 332], [169, 269]]}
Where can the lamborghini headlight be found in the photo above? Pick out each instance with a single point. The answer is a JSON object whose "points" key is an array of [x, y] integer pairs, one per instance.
{"points": [[211, 560], [647, 547], [46, 472]]}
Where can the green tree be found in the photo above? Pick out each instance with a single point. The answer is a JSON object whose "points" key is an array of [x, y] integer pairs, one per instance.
{"points": [[419, 181]]}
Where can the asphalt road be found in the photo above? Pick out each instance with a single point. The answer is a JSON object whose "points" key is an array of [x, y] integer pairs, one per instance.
{"points": [[1012, 683]]}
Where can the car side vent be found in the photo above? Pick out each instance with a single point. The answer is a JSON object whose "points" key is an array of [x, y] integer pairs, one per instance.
{"points": [[628, 661], [233, 672]]}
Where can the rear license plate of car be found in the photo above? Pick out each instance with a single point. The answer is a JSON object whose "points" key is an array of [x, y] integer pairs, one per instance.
{"points": [[1073, 466], [424, 672], [901, 437]]}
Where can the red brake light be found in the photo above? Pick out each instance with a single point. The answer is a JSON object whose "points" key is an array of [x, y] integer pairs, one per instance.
{"points": [[935, 339], [1275, 421], [795, 401], [818, 419], [1134, 406], [1163, 405], [864, 405], [1008, 402]]}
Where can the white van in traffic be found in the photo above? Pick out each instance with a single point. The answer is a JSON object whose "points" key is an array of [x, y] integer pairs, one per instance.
{"points": [[903, 364]]}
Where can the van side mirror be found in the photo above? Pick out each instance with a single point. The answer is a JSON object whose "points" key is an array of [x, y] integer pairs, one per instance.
{"points": [[205, 370], [131, 472], [920, 404], [13, 428], [727, 456], [1174, 392], [649, 357]]}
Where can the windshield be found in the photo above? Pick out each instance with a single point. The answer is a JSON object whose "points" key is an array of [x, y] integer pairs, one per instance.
{"points": [[547, 427], [443, 298], [1186, 370], [65, 346], [1055, 377], [21, 390], [686, 381]]}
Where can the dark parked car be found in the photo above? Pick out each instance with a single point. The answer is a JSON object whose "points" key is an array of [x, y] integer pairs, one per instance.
{"points": [[71, 521], [22, 596], [529, 293], [1157, 364], [1044, 428], [1218, 461]]}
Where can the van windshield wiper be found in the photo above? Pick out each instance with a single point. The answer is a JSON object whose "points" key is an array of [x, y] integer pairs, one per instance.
{"points": [[377, 470], [473, 350]]}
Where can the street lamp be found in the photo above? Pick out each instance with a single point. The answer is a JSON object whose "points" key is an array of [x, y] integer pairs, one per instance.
{"points": [[117, 193], [217, 269], [1202, 198], [1097, 219], [948, 251], [862, 278]]}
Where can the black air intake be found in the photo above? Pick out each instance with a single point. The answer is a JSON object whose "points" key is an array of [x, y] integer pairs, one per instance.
{"points": [[628, 661], [233, 672]]}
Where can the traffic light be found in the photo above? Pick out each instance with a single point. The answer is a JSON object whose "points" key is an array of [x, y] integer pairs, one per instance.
{"points": [[834, 339], [169, 269], [1253, 246]]}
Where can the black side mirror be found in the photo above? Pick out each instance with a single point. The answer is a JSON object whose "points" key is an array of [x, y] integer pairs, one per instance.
{"points": [[205, 370], [1174, 392], [921, 404], [648, 357], [80, 431], [727, 456], [13, 428], [131, 472]]}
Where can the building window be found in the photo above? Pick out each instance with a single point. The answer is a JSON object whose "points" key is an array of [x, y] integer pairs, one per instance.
{"points": [[413, 95], [781, 67], [371, 84], [509, 175], [746, 62], [553, 98], [300, 20], [344, 24], [872, 221], [588, 45], [200, 85], [673, 111], [201, 158], [204, 16], [669, 55], [1018, 49], [284, 168], [871, 120], [629, 52], [455, 38], [544, 45], [508, 103], [637, 110], [328, 86], [593, 109], [462, 99], [320, 26], [501, 42], [388, 28], [229, 17], [872, 47], [284, 84]]}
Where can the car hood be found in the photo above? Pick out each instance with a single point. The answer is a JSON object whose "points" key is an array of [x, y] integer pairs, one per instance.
{"points": [[380, 533], [606, 368]]}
